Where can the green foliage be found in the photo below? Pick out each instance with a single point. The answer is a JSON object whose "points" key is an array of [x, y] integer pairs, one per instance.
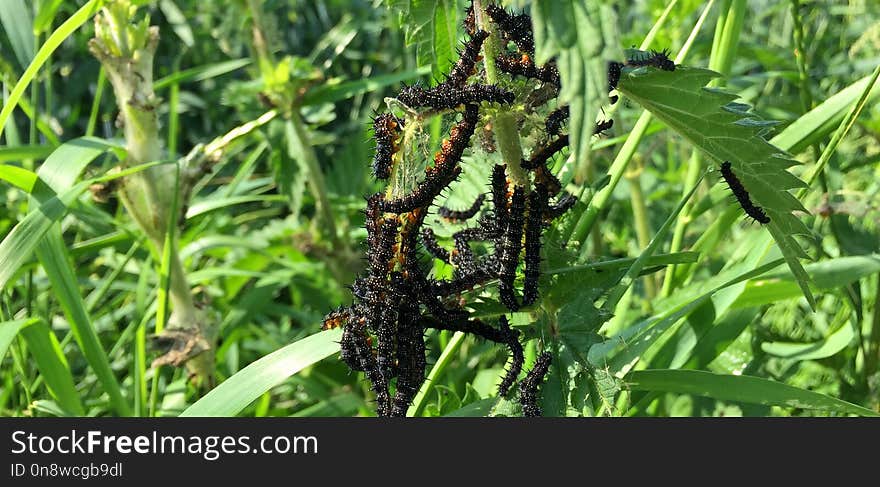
{"points": [[725, 131], [277, 151]]}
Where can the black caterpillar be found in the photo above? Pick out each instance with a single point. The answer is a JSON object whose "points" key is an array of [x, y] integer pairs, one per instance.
{"points": [[386, 129], [658, 59], [742, 196]]}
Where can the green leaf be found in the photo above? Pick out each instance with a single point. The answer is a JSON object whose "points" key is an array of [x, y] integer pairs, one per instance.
{"points": [[336, 90], [72, 23], [725, 132], [827, 275], [212, 204], [201, 73], [59, 172], [813, 126], [46, 351], [25, 152], [575, 31], [177, 20], [739, 388], [19, 177], [431, 27], [445, 36], [617, 292], [15, 16], [812, 351], [46, 14], [635, 341], [234, 394], [476, 409], [8, 331], [19, 244]]}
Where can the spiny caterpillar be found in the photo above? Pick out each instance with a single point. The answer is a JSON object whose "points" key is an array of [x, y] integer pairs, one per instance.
{"points": [[658, 59], [614, 68], [524, 66], [467, 61], [515, 28], [742, 196], [447, 97], [528, 388], [386, 129], [462, 215]]}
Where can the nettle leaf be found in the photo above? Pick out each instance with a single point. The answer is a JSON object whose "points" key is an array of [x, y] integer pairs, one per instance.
{"points": [[579, 34], [725, 131], [431, 26]]}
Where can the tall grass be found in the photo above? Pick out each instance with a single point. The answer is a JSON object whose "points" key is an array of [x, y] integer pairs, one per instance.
{"points": [[662, 303]]}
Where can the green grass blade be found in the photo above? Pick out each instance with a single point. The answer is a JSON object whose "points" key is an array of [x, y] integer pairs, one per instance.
{"points": [[476, 409], [636, 345], [19, 177], [15, 17], [46, 14], [818, 350], [813, 126], [632, 274], [8, 331], [445, 357], [19, 244], [201, 73], [335, 90], [44, 348], [827, 276], [211, 204], [739, 388], [841, 131], [234, 394], [69, 159], [52, 253], [59, 173], [73, 23], [25, 152]]}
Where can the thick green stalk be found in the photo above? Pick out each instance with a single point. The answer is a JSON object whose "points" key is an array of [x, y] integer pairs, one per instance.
{"points": [[693, 172], [640, 218], [504, 124], [126, 50], [616, 171]]}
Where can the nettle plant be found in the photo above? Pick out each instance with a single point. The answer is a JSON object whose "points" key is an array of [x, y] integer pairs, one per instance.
{"points": [[509, 269]]}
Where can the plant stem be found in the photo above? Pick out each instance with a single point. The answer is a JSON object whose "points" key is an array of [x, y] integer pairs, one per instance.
{"points": [[315, 179], [125, 49], [640, 217], [442, 362], [693, 173], [504, 124]]}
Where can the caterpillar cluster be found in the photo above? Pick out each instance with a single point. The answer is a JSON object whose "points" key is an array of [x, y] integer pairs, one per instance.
{"points": [[395, 300]]}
